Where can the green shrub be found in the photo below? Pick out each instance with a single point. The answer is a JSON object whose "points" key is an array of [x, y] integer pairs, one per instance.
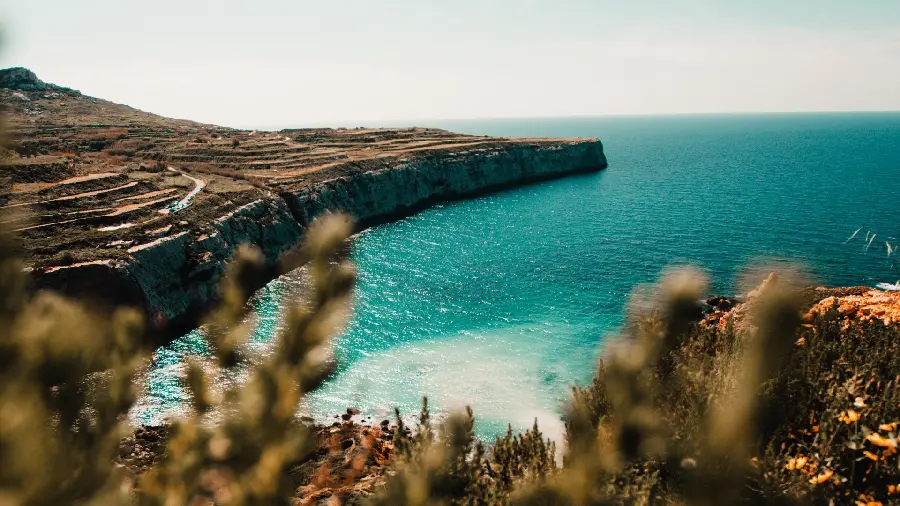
{"points": [[448, 465]]}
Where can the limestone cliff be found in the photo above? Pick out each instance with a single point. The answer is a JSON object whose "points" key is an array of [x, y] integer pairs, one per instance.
{"points": [[121, 206], [175, 277]]}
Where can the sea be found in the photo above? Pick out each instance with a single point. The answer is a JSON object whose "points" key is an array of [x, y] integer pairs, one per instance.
{"points": [[504, 302]]}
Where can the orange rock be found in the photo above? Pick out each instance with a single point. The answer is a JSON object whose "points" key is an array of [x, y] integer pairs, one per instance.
{"points": [[874, 305]]}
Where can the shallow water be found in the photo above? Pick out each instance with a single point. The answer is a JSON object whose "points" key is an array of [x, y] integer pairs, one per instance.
{"points": [[502, 301]]}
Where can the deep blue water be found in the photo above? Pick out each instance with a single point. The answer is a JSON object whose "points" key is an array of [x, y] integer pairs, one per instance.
{"points": [[502, 301]]}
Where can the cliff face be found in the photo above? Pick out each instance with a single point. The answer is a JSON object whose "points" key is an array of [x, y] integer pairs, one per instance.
{"points": [[395, 191], [123, 207], [175, 277]]}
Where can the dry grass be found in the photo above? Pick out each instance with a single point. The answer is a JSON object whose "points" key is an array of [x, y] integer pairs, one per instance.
{"points": [[128, 147]]}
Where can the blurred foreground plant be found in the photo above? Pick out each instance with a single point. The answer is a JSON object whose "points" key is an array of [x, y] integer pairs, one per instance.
{"points": [[66, 379], [773, 407], [67, 383], [448, 465], [671, 416], [243, 458], [769, 408]]}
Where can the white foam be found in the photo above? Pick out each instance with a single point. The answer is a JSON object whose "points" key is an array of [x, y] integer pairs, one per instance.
{"points": [[509, 376]]}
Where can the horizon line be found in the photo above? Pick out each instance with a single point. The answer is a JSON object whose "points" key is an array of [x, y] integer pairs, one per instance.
{"points": [[419, 122]]}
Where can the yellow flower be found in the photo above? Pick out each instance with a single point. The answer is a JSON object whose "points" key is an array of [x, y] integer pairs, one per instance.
{"points": [[796, 463], [871, 455], [893, 489], [822, 477], [849, 416], [890, 427], [878, 440]]}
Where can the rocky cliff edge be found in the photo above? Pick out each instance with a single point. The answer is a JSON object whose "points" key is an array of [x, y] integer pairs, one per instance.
{"points": [[126, 207]]}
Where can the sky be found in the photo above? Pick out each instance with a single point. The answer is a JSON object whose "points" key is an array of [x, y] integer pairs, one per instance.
{"points": [[293, 63]]}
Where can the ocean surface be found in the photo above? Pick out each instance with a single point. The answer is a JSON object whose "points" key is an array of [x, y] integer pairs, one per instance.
{"points": [[503, 302]]}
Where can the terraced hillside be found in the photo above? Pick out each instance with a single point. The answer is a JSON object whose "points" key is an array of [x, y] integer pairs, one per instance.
{"points": [[89, 182]]}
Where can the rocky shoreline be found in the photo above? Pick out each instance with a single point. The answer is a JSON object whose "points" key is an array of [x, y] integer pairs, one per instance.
{"points": [[351, 458]]}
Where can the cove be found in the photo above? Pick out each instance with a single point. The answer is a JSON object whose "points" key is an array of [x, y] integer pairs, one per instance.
{"points": [[503, 301]]}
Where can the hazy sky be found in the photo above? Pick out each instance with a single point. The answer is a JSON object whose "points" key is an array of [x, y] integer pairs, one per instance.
{"points": [[276, 63]]}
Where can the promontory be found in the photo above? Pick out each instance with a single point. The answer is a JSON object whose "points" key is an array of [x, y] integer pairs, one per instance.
{"points": [[125, 207]]}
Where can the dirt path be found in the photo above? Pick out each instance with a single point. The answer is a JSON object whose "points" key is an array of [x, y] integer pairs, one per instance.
{"points": [[199, 184]]}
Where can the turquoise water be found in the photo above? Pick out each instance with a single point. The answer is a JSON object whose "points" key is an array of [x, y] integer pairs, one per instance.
{"points": [[502, 301]]}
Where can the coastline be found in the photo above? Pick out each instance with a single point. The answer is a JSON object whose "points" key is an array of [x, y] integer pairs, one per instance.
{"points": [[174, 279]]}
